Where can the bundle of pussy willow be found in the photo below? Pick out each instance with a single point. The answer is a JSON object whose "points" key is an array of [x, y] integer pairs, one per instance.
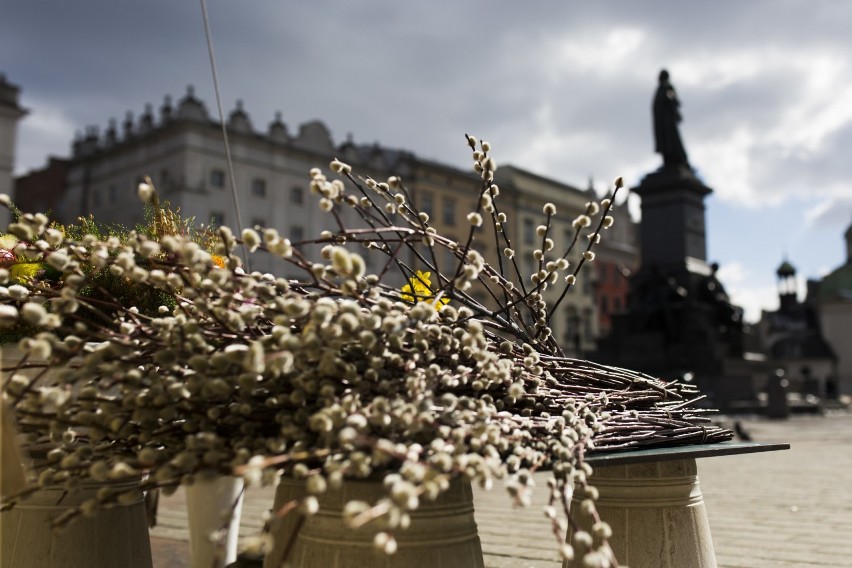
{"points": [[339, 374]]}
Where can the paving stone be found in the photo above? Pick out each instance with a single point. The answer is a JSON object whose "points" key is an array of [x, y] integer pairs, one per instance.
{"points": [[772, 510]]}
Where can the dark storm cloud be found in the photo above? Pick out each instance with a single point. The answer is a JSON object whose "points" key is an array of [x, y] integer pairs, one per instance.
{"points": [[563, 88]]}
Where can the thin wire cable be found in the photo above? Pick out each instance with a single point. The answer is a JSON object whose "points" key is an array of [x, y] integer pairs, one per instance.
{"points": [[230, 162]]}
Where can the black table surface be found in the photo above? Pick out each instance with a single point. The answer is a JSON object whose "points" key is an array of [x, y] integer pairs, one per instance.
{"points": [[645, 455]]}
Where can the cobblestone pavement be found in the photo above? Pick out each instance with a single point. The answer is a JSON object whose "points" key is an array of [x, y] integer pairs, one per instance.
{"points": [[770, 510]]}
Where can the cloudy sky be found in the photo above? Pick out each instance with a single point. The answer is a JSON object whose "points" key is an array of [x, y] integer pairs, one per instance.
{"points": [[560, 88]]}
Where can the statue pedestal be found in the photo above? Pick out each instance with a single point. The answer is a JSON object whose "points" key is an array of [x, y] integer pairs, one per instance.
{"points": [[672, 228]]}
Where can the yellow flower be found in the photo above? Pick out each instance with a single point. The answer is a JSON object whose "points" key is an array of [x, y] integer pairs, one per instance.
{"points": [[219, 261], [26, 271], [419, 289]]}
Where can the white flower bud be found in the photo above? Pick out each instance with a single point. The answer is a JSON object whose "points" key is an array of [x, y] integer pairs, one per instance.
{"points": [[309, 506], [54, 237], [582, 539], [58, 259], [149, 248], [316, 485], [33, 313], [341, 260], [251, 239], [145, 191], [282, 247], [18, 292], [385, 543], [339, 167], [581, 221], [602, 530]]}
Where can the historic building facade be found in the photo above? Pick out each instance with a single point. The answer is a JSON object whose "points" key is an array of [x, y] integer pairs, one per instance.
{"points": [[811, 338], [575, 324], [180, 147], [834, 306], [617, 260], [791, 338], [10, 113]]}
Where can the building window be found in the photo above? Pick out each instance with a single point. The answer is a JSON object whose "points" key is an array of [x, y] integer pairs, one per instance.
{"points": [[530, 267], [426, 203], [96, 199], [450, 261], [113, 194], [297, 196], [572, 325], [587, 325], [449, 211], [164, 178], [529, 231], [617, 304], [217, 218], [297, 233], [258, 187], [605, 305], [217, 178]]}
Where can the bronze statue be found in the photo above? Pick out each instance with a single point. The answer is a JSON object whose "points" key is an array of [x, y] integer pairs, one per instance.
{"points": [[666, 116]]}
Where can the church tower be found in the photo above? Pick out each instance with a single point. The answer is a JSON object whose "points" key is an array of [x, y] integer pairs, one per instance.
{"points": [[787, 296]]}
